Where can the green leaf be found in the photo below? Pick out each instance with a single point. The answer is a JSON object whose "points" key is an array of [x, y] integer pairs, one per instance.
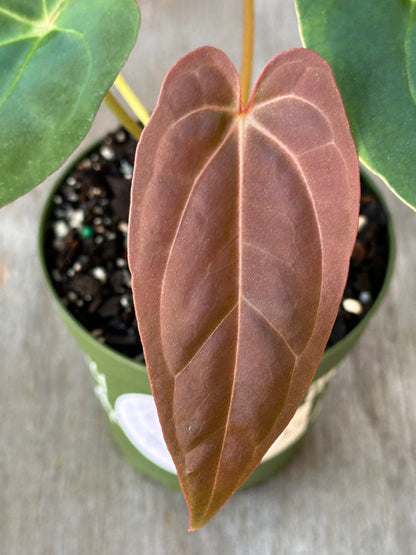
{"points": [[371, 46], [57, 60]]}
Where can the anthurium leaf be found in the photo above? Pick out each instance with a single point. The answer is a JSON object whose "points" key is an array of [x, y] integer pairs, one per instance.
{"points": [[371, 46], [57, 60], [241, 228]]}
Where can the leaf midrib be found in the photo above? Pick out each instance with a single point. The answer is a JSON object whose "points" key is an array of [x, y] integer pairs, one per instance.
{"points": [[241, 140], [243, 128]]}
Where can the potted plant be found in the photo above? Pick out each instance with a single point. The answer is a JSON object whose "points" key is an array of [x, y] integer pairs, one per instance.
{"points": [[90, 261], [252, 262]]}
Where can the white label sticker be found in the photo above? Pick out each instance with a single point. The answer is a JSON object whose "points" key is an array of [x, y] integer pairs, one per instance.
{"points": [[137, 416]]}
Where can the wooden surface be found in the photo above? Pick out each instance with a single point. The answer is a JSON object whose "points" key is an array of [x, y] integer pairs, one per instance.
{"points": [[65, 487]]}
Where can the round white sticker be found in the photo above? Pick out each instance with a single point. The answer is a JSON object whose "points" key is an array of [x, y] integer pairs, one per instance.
{"points": [[137, 416]]}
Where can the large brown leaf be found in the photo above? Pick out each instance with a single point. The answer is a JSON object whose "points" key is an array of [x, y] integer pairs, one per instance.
{"points": [[241, 228]]}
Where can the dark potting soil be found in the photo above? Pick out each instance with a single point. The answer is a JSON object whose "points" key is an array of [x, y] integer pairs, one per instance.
{"points": [[86, 249]]}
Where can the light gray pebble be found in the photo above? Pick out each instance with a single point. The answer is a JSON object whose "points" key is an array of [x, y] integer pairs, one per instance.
{"points": [[72, 196], [365, 297], [60, 229], [126, 169], [107, 152], [120, 136], [76, 218], [123, 227], [362, 222], [352, 306], [99, 273]]}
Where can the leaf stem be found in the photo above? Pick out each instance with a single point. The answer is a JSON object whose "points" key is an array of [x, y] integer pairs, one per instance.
{"points": [[247, 56], [122, 115], [137, 107]]}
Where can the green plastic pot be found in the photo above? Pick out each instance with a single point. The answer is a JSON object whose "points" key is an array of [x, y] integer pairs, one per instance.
{"points": [[123, 388]]}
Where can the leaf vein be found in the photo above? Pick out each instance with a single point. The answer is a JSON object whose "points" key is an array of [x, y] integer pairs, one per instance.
{"points": [[19, 73], [18, 39], [270, 255], [211, 333], [185, 208], [298, 98], [261, 129], [273, 327], [57, 10], [16, 16], [32, 52], [200, 110]]}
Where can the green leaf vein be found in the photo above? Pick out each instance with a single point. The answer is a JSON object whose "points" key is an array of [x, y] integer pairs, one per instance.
{"points": [[16, 16], [22, 68], [36, 46]]}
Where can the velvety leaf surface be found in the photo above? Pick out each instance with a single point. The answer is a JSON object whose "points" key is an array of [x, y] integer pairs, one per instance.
{"points": [[57, 60], [371, 46], [241, 228]]}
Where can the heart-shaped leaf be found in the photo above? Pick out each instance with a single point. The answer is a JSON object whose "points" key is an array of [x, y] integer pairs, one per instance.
{"points": [[57, 60], [371, 46], [241, 228]]}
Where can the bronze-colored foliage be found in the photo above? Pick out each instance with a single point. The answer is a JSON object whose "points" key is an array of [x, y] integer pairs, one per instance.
{"points": [[241, 228]]}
